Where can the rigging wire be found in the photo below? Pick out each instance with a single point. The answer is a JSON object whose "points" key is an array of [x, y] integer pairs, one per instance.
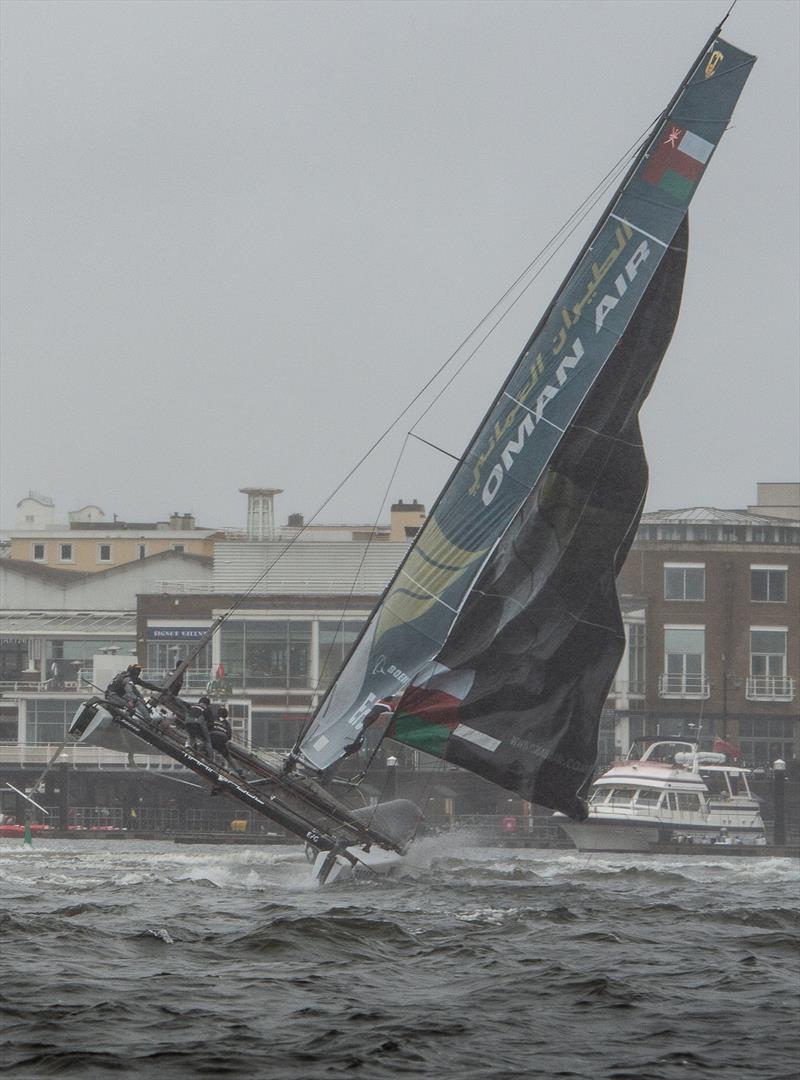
{"points": [[310, 710]]}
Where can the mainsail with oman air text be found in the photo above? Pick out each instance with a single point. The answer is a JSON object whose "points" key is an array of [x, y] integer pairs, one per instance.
{"points": [[500, 634]]}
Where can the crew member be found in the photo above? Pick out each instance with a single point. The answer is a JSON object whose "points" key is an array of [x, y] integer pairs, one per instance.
{"points": [[221, 733], [124, 687], [198, 722], [379, 711]]}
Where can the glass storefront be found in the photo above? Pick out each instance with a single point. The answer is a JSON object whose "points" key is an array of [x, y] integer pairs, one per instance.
{"points": [[279, 654], [47, 719], [162, 656], [765, 739]]}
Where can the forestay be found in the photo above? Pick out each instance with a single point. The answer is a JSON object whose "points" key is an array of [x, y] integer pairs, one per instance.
{"points": [[501, 630]]}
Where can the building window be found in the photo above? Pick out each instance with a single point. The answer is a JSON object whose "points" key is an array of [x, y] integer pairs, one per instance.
{"points": [[47, 720], [180, 548], [39, 552], [270, 654], [768, 584], [275, 730], [764, 739], [768, 652], [684, 662], [684, 581], [768, 679], [142, 551], [164, 654], [636, 674], [65, 552], [104, 552]]}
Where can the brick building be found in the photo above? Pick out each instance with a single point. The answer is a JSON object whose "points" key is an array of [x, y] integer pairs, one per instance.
{"points": [[715, 640]]}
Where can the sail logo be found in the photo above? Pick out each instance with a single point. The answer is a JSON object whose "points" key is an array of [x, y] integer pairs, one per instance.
{"points": [[713, 60], [383, 667], [678, 163], [604, 306]]}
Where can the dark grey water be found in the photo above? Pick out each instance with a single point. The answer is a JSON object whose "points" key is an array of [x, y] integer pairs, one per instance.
{"points": [[152, 960]]}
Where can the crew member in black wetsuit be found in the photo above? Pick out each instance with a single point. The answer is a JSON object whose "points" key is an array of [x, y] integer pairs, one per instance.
{"points": [[221, 732], [380, 710], [198, 722], [123, 690]]}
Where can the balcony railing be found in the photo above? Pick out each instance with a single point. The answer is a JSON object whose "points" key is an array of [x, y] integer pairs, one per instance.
{"points": [[196, 681], [683, 686], [74, 754], [769, 688]]}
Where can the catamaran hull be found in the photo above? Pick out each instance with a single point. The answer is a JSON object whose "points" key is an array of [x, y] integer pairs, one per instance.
{"points": [[632, 836], [328, 868]]}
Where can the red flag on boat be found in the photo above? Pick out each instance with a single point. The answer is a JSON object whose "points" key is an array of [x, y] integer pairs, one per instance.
{"points": [[722, 747]]}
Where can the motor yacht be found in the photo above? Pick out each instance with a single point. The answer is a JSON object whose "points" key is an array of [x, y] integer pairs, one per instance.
{"points": [[673, 793]]}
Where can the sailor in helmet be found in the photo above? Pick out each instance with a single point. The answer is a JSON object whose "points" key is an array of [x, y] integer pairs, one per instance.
{"points": [[124, 687]]}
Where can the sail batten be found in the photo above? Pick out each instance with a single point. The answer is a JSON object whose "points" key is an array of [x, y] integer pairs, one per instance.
{"points": [[476, 638]]}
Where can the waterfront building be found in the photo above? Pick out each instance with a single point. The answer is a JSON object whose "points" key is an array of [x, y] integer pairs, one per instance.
{"points": [[710, 599], [88, 542], [713, 628]]}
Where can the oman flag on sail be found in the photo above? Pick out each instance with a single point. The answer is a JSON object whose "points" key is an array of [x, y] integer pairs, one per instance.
{"points": [[428, 712], [677, 163]]}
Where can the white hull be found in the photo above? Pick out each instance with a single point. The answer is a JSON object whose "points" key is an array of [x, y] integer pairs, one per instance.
{"points": [[622, 834], [588, 836], [375, 861]]}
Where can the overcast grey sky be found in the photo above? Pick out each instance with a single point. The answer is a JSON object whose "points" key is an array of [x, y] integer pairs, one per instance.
{"points": [[238, 237]]}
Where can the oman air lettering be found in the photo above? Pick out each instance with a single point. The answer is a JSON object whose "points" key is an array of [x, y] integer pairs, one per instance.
{"points": [[604, 306], [608, 302]]}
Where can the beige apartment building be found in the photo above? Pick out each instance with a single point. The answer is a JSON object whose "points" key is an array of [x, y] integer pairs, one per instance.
{"points": [[88, 541]]}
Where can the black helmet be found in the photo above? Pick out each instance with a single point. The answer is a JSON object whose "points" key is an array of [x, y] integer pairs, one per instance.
{"points": [[223, 711], [204, 700]]}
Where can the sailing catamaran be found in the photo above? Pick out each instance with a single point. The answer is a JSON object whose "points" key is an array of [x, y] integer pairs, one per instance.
{"points": [[499, 635]]}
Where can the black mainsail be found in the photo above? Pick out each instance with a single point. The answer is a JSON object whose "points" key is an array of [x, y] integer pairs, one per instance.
{"points": [[501, 632]]}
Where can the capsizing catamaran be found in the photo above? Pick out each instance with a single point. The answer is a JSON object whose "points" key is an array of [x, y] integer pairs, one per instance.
{"points": [[499, 635]]}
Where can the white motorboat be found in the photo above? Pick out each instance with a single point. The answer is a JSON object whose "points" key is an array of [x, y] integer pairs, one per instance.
{"points": [[674, 793]]}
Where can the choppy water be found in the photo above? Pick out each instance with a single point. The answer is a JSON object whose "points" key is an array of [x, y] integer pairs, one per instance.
{"points": [[153, 960]]}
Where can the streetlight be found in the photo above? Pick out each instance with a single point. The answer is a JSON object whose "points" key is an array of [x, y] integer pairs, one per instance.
{"points": [[390, 788], [779, 791]]}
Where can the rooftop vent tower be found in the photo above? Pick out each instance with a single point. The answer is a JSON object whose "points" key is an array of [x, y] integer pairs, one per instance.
{"points": [[260, 512]]}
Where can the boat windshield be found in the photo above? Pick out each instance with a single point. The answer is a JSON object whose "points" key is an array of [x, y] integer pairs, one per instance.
{"points": [[621, 795], [648, 796], [665, 752]]}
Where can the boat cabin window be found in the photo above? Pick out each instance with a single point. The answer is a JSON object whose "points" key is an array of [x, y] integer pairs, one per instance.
{"points": [[621, 795], [684, 800], [720, 783], [598, 796], [648, 796]]}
